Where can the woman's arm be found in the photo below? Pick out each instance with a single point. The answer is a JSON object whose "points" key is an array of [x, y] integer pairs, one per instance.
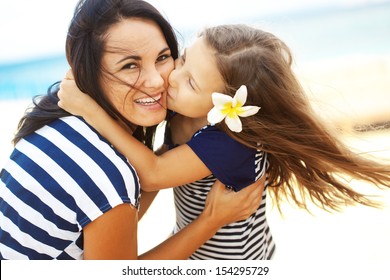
{"points": [[114, 234], [173, 168], [145, 201]]}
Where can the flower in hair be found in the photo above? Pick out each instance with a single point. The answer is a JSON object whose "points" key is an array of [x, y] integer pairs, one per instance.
{"points": [[231, 109]]}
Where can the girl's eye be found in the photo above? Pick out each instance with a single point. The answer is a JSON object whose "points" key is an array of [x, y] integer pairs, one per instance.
{"points": [[191, 85]]}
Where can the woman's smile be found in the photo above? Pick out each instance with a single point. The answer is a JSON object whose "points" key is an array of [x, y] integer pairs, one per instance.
{"points": [[151, 100]]}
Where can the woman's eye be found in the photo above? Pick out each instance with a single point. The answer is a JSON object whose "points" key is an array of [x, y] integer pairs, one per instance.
{"points": [[163, 57], [130, 66]]}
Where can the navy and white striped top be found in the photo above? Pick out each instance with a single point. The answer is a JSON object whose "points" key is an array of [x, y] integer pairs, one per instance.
{"points": [[237, 166], [57, 180]]}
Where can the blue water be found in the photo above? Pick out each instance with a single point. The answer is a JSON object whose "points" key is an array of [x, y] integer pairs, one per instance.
{"points": [[314, 35], [330, 33], [30, 78]]}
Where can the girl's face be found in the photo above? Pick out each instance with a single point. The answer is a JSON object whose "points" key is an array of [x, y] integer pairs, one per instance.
{"points": [[195, 77], [136, 53]]}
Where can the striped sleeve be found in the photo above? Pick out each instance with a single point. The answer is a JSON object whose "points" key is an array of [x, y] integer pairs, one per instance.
{"points": [[57, 181]]}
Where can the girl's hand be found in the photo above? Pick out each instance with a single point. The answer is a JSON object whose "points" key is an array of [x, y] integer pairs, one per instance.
{"points": [[73, 100], [224, 206]]}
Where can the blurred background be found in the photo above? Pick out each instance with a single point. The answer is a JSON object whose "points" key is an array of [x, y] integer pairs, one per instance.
{"points": [[342, 58], [341, 47]]}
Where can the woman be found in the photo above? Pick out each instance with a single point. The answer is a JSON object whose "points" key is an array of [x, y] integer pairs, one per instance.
{"points": [[66, 193]]}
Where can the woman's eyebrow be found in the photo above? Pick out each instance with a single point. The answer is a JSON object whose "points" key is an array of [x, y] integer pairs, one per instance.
{"points": [[137, 57], [133, 57], [164, 50]]}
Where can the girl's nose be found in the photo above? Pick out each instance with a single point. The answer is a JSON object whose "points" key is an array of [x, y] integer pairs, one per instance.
{"points": [[177, 62], [173, 75]]}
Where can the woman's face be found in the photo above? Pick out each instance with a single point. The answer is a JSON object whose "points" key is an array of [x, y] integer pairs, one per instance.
{"points": [[136, 53], [195, 77]]}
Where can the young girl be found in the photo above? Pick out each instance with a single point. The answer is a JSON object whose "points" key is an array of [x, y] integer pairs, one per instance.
{"points": [[276, 138]]}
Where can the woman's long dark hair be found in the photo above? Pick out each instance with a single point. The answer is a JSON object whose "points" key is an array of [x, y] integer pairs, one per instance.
{"points": [[84, 50]]}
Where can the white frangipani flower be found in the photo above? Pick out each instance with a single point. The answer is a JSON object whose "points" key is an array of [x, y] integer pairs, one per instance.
{"points": [[231, 109]]}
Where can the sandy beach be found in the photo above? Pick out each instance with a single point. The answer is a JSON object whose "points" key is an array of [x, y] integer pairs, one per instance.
{"points": [[346, 93]]}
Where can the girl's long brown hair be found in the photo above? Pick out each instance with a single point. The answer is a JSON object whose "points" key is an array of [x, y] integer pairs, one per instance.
{"points": [[306, 159]]}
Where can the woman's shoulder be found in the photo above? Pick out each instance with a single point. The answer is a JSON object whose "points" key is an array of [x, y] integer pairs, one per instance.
{"points": [[71, 137], [69, 160], [72, 129], [70, 149]]}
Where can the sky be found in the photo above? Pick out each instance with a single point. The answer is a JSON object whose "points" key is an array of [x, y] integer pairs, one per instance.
{"points": [[38, 28]]}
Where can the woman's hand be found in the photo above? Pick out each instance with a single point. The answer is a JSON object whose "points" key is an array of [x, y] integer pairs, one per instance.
{"points": [[224, 206], [73, 100]]}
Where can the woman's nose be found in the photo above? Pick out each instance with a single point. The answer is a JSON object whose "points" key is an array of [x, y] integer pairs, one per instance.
{"points": [[153, 78]]}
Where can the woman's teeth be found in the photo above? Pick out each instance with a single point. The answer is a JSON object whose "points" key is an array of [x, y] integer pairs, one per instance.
{"points": [[148, 100]]}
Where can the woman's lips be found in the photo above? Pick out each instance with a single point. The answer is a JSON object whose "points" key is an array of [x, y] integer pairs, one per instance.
{"points": [[150, 100]]}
